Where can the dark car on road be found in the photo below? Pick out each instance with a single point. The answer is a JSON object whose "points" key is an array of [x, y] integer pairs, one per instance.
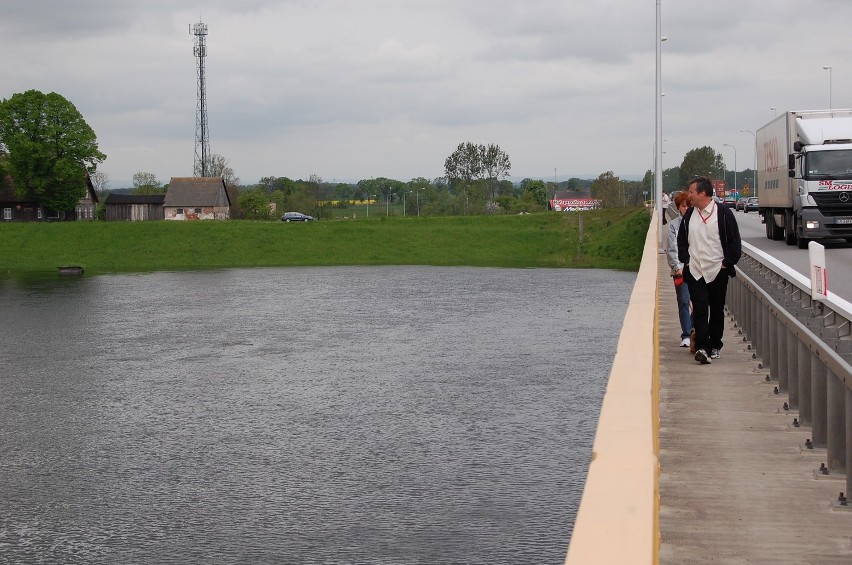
{"points": [[729, 201], [751, 205], [741, 204], [296, 217]]}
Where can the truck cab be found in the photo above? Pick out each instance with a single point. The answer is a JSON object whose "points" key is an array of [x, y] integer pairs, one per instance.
{"points": [[810, 198]]}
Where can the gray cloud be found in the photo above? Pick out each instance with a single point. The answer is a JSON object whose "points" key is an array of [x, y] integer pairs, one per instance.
{"points": [[389, 87]]}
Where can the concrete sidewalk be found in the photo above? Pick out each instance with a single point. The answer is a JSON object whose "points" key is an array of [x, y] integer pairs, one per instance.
{"points": [[736, 482]]}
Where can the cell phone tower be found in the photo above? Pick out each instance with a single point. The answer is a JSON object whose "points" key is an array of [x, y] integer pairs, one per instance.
{"points": [[201, 165]]}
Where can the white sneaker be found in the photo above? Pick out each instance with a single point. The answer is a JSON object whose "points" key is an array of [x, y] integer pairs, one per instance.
{"points": [[684, 342]]}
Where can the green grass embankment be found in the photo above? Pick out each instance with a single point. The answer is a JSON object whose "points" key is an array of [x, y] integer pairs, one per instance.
{"points": [[612, 239]]}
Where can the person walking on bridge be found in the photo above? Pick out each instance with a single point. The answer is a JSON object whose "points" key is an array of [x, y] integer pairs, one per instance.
{"points": [[681, 205], [709, 245]]}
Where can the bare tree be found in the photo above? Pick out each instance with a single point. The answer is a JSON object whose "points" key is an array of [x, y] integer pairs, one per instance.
{"points": [[220, 167], [100, 181]]}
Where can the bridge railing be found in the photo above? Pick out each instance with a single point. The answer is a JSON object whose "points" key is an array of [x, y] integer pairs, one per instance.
{"points": [[616, 521], [807, 347]]}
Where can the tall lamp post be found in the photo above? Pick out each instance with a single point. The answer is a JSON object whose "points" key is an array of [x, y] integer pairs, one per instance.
{"points": [[658, 135], [735, 163], [403, 201], [754, 170], [828, 68], [418, 200]]}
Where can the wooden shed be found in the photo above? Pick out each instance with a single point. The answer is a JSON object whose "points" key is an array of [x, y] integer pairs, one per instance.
{"points": [[134, 207], [197, 198]]}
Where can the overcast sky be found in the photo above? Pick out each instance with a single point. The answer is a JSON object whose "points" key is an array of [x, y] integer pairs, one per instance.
{"points": [[351, 89]]}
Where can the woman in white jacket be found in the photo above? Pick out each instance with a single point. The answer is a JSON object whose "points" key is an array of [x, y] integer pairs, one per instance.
{"points": [[681, 204]]}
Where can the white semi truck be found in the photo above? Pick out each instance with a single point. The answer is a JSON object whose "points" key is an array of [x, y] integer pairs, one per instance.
{"points": [[804, 176]]}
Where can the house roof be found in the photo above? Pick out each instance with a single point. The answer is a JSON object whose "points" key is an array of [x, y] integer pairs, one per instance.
{"points": [[135, 198], [197, 191], [7, 190], [93, 194]]}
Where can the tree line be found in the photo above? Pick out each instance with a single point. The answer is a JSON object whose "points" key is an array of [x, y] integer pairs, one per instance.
{"points": [[47, 147], [699, 162]]}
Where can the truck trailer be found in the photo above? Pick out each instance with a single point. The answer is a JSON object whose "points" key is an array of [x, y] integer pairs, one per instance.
{"points": [[804, 176]]}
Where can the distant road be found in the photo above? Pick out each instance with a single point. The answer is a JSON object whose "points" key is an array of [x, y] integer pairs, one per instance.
{"points": [[838, 256]]}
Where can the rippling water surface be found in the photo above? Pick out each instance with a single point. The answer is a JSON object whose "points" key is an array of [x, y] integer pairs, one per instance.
{"points": [[328, 415]]}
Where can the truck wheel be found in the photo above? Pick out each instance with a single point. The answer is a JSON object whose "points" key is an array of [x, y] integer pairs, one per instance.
{"points": [[773, 232], [789, 228]]}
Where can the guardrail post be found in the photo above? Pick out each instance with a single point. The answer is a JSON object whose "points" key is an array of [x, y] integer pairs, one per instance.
{"points": [[769, 350], [848, 440], [803, 368], [782, 371], [836, 423], [750, 307], [818, 402], [792, 367], [766, 339]]}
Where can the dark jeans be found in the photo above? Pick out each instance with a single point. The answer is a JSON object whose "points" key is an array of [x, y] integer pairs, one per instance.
{"points": [[708, 309]]}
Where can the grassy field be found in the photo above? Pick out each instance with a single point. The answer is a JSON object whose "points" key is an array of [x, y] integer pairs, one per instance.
{"points": [[611, 239]]}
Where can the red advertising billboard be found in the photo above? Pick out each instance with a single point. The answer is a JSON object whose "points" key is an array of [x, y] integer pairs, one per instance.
{"points": [[574, 204]]}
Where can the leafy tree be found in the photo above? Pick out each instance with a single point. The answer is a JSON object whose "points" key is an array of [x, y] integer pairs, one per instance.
{"points": [[575, 184], [254, 204], [50, 148], [648, 182], [671, 180], [343, 192], [534, 191], [146, 183], [608, 189], [700, 162], [474, 170], [495, 165], [464, 164]]}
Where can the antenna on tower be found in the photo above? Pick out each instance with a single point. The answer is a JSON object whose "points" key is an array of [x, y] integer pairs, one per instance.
{"points": [[201, 165]]}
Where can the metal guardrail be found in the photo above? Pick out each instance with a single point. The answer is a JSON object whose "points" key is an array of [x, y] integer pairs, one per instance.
{"points": [[807, 347]]}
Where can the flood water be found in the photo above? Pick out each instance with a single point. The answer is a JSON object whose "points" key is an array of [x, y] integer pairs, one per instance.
{"points": [[321, 415]]}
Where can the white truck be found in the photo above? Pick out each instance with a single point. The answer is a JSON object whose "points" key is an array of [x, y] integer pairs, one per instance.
{"points": [[804, 176]]}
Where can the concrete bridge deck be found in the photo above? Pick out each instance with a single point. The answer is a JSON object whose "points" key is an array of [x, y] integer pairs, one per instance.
{"points": [[737, 484]]}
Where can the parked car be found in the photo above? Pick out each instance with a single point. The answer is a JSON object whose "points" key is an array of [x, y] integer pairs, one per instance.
{"points": [[741, 204], [729, 201], [751, 205], [296, 217]]}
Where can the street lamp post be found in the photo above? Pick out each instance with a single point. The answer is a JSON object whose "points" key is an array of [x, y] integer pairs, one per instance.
{"points": [[658, 135], [418, 200], [387, 204], [735, 162], [754, 170], [828, 68]]}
